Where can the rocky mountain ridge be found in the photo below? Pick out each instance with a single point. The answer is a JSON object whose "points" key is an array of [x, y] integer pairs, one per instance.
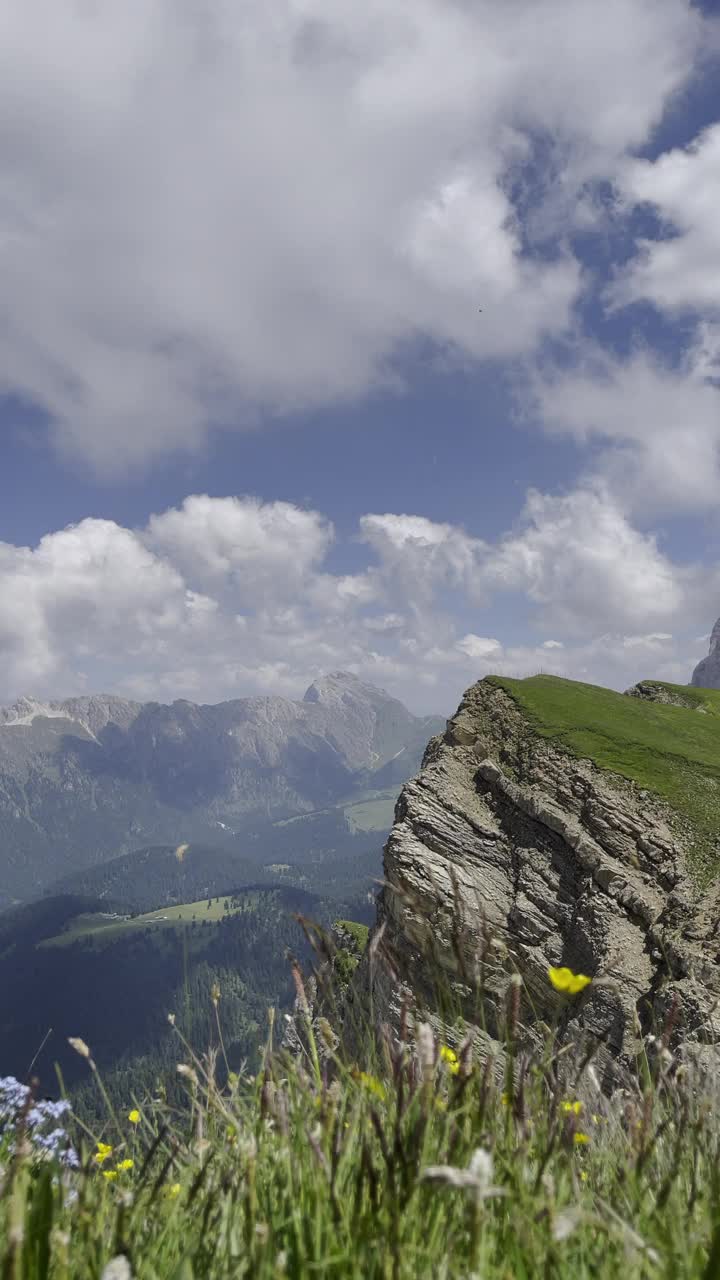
{"points": [[707, 672], [86, 779], [511, 852]]}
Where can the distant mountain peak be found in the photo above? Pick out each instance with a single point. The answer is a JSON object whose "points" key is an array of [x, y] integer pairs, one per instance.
{"points": [[707, 672], [92, 711], [91, 777], [27, 709], [331, 687]]}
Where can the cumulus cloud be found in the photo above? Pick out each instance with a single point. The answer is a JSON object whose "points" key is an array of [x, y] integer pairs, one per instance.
{"points": [[225, 597], [656, 429], [682, 269], [214, 212], [588, 569], [419, 556], [241, 541]]}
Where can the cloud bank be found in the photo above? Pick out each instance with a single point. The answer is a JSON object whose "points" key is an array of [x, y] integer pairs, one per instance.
{"points": [[213, 212], [222, 597]]}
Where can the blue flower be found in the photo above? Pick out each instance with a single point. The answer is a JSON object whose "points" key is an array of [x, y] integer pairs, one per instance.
{"points": [[49, 1140]]}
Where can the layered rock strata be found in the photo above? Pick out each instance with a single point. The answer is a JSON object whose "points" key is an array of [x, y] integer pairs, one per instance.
{"points": [[508, 853]]}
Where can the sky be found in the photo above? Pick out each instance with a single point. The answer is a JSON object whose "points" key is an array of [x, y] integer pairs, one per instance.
{"points": [[381, 338]]}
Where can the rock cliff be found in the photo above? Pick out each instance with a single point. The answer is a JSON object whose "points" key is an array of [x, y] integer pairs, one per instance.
{"points": [[511, 851], [707, 672]]}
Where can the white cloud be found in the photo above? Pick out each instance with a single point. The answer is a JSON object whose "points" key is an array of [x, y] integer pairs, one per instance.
{"points": [[683, 269], [419, 555], [213, 211], [196, 605], [479, 646], [646, 642], [579, 559], [658, 428], [242, 541]]}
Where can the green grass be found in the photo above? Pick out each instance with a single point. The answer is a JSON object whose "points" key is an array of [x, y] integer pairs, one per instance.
{"points": [[372, 811], [360, 932], [376, 813], [316, 1168], [673, 751], [106, 929]]}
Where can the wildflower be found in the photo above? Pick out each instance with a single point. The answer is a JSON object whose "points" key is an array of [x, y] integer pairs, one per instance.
{"points": [[117, 1269], [13, 1096], [477, 1178], [124, 1165], [450, 1058], [580, 1139], [109, 1175], [505, 1099], [48, 1138], [173, 1191], [372, 1085], [426, 1049], [583, 1176], [572, 1108], [565, 980], [103, 1153], [134, 1116]]}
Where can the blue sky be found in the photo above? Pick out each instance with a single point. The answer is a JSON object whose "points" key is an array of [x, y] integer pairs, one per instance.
{"points": [[254, 426]]}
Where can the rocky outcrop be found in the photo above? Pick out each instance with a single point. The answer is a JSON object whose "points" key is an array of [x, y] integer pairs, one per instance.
{"points": [[508, 853], [707, 672], [665, 695]]}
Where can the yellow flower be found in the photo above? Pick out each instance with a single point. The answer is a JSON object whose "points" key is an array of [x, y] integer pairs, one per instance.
{"points": [[580, 1139], [583, 1176], [172, 1191], [103, 1152], [109, 1174], [124, 1165], [565, 980], [572, 1108], [134, 1116], [372, 1084], [450, 1058], [505, 1099]]}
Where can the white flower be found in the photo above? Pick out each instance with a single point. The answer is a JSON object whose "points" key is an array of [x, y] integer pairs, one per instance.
{"points": [[476, 1178]]}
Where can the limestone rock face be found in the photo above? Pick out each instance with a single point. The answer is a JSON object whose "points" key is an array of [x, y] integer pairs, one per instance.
{"points": [[707, 672], [509, 854]]}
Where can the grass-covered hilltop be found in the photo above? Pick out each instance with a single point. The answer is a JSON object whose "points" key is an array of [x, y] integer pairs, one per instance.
{"points": [[514, 1076], [663, 737]]}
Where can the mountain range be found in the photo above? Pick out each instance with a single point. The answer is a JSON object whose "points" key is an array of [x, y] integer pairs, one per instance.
{"points": [[87, 779]]}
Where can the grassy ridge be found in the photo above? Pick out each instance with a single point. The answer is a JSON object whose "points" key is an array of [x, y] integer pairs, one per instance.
{"points": [[100, 928], [673, 751]]}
